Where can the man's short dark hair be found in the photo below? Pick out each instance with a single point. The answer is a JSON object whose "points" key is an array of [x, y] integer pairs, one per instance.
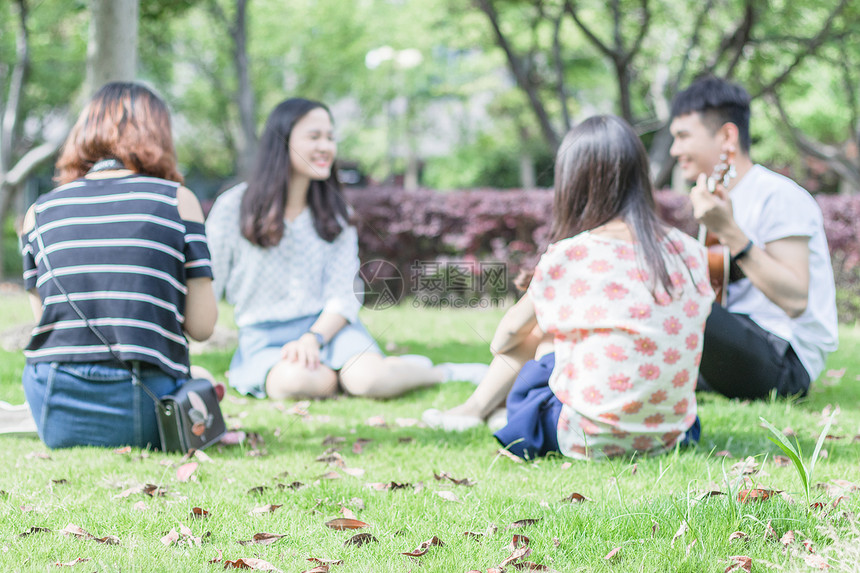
{"points": [[717, 101]]}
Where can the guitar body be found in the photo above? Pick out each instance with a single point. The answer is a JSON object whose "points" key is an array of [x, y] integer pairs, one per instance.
{"points": [[719, 256], [719, 259]]}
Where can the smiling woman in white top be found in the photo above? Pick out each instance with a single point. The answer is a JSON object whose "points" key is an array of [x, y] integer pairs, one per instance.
{"points": [[285, 254]]}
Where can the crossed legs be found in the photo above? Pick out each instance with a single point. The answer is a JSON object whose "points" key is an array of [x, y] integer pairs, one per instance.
{"points": [[368, 375], [493, 389]]}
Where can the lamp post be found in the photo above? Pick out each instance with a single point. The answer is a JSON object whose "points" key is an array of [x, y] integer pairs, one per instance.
{"points": [[400, 60]]}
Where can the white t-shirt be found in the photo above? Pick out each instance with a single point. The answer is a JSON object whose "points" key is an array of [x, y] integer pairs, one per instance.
{"points": [[769, 207]]}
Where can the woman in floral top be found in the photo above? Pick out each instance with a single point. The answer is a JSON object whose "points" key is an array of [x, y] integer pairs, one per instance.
{"points": [[625, 300]]}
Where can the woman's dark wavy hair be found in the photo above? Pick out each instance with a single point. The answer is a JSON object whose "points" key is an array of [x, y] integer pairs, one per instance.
{"points": [[125, 121], [601, 173], [261, 214]]}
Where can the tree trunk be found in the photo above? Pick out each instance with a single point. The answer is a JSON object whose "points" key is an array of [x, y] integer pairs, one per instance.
{"points": [[245, 93], [528, 177], [112, 46]]}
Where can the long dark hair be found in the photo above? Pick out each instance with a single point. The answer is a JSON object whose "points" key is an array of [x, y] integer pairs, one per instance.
{"points": [[601, 173], [125, 121], [261, 215]]}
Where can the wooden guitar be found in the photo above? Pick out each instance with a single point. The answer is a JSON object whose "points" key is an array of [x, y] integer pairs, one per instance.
{"points": [[719, 257]]}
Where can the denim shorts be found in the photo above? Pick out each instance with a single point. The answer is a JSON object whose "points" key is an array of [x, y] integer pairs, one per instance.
{"points": [[95, 404], [260, 349]]}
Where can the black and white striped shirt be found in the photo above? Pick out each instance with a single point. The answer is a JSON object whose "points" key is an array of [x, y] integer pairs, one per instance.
{"points": [[122, 252]]}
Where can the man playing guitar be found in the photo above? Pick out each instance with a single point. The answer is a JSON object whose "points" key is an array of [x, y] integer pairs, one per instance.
{"points": [[779, 323]]}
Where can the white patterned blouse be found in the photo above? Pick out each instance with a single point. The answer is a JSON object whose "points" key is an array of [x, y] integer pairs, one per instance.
{"points": [[301, 276]]}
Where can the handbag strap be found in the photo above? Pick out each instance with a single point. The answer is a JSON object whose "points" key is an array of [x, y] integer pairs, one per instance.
{"points": [[134, 376]]}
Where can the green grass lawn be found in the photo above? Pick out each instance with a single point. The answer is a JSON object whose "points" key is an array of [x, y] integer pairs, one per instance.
{"points": [[636, 506]]}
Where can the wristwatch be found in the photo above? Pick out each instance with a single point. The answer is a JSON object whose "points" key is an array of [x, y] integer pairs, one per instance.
{"points": [[320, 338]]}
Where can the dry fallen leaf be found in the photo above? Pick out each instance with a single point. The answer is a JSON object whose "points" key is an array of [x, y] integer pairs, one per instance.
{"points": [[737, 535], [199, 513], [747, 467], [347, 513], [612, 553], [262, 539], [682, 529], [523, 523], [358, 446], [781, 461], [153, 490], [269, 508], [446, 476], [342, 523], [816, 561], [424, 547], [531, 566], [787, 538], [33, 530], [757, 494], [739, 563], [249, 563], [333, 440], [518, 541], [575, 497], [769, 532], [354, 472], [706, 494], [72, 563], [389, 486], [360, 539], [332, 458], [75, 531], [184, 472], [448, 496], [171, 538], [321, 561], [518, 554]]}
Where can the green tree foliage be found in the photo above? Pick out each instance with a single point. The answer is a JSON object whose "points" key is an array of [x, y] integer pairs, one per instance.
{"points": [[652, 48]]}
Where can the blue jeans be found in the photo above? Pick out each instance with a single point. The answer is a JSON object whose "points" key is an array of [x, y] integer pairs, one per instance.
{"points": [[94, 404]]}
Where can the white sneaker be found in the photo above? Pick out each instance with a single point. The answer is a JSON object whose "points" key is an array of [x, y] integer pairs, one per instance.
{"points": [[498, 419], [473, 372], [449, 422], [16, 419]]}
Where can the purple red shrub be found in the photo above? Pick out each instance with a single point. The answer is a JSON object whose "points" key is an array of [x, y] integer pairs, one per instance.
{"points": [[512, 226]]}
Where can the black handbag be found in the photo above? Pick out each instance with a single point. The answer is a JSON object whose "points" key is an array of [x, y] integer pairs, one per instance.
{"points": [[190, 418]]}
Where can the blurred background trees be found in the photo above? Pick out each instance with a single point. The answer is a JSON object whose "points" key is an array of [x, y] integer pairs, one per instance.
{"points": [[439, 93]]}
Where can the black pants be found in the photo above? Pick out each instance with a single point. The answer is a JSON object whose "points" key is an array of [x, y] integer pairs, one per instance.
{"points": [[740, 359]]}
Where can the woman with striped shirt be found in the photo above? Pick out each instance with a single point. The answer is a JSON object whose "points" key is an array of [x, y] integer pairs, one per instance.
{"points": [[123, 240]]}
